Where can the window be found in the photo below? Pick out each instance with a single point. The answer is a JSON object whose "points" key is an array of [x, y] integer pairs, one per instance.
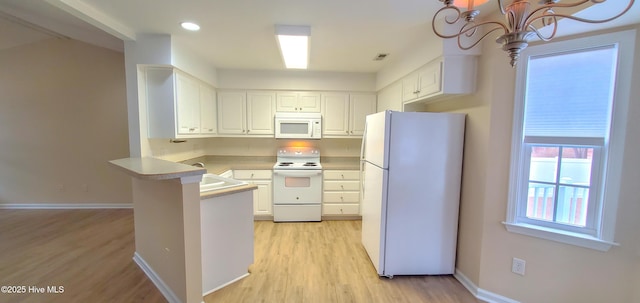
{"points": [[568, 139]]}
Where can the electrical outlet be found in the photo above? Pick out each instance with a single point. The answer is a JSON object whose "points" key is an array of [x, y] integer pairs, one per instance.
{"points": [[518, 266]]}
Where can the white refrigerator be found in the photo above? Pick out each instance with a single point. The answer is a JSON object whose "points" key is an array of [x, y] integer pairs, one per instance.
{"points": [[411, 165]]}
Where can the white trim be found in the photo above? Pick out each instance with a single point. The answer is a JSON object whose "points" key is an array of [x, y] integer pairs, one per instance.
{"points": [[67, 206], [491, 297], [95, 17], [157, 281], [480, 293], [226, 284], [468, 284], [558, 235]]}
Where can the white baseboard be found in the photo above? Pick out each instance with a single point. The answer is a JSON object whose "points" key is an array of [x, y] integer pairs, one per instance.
{"points": [[157, 281], [68, 206], [480, 293], [226, 284], [470, 286]]}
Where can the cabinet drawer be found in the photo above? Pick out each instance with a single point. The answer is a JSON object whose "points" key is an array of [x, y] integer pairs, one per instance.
{"points": [[251, 174], [342, 185], [341, 197], [342, 174], [340, 209]]}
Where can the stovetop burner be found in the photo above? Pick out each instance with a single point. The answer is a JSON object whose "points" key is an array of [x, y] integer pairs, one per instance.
{"points": [[298, 158]]}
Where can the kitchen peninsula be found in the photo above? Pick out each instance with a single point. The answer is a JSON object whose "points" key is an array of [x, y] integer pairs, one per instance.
{"points": [[182, 238]]}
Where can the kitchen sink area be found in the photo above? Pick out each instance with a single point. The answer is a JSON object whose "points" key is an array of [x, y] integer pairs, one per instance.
{"points": [[212, 182]]}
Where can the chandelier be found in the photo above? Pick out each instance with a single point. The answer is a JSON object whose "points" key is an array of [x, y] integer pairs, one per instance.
{"points": [[523, 22]]}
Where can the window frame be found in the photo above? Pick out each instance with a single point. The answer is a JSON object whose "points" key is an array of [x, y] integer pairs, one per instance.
{"points": [[595, 199], [600, 235]]}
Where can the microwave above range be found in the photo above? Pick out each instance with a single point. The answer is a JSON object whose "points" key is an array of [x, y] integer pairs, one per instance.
{"points": [[298, 125]]}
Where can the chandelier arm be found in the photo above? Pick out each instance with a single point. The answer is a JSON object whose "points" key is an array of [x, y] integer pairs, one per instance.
{"points": [[501, 6], [464, 30], [531, 18], [546, 38], [481, 38]]}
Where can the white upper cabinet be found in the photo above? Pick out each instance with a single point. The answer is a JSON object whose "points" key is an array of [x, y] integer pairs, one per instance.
{"points": [[444, 77], [344, 114], [361, 105], [175, 103], [188, 104], [260, 113], [335, 114], [243, 113], [232, 113], [208, 110], [390, 97], [305, 102]]}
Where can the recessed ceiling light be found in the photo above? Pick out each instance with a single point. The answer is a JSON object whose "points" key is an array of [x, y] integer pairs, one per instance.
{"points": [[190, 26]]}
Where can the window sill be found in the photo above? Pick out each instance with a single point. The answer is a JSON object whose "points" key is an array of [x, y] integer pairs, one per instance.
{"points": [[560, 236]]}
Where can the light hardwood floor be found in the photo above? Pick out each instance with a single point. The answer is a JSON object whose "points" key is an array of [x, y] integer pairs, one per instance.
{"points": [[89, 252], [325, 262]]}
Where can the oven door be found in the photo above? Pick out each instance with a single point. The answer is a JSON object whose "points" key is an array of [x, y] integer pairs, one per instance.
{"points": [[294, 187]]}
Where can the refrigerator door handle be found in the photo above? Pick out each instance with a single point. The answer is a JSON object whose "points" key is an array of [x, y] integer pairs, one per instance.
{"points": [[364, 138]]}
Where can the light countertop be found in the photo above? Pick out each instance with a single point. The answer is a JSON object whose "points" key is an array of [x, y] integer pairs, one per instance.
{"points": [[220, 164], [155, 169]]}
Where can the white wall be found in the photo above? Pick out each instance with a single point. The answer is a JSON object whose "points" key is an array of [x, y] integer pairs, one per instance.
{"points": [[296, 80], [63, 115]]}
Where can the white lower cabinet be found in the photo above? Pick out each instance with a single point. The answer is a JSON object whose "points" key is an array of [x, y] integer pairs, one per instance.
{"points": [[262, 197], [341, 192]]}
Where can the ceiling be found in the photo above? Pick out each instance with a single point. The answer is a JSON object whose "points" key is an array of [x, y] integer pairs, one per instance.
{"points": [[346, 35]]}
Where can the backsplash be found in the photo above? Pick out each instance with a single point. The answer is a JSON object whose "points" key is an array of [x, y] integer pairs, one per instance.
{"points": [[193, 148]]}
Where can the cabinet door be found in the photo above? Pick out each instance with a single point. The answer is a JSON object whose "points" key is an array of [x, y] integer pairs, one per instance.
{"points": [[410, 88], [286, 102], [335, 114], [188, 104], [430, 79], [231, 113], [208, 114], [309, 102], [361, 106], [260, 111], [262, 204], [390, 98]]}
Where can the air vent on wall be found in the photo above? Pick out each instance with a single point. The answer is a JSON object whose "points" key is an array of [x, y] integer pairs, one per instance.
{"points": [[380, 57]]}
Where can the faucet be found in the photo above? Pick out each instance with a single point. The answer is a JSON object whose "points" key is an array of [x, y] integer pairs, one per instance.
{"points": [[198, 164]]}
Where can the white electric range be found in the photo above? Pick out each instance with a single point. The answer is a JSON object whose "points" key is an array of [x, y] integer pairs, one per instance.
{"points": [[297, 185]]}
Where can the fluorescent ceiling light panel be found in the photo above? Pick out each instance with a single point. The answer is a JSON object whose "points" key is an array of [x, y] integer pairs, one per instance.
{"points": [[294, 45]]}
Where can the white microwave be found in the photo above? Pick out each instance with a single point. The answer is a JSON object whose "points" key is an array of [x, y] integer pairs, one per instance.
{"points": [[298, 125]]}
